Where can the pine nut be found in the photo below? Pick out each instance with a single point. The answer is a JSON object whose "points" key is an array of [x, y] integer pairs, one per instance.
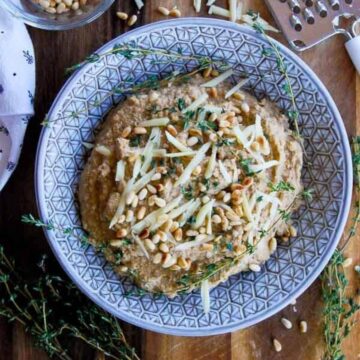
{"points": [[255, 267], [122, 15], [214, 72], [178, 234], [172, 130], [207, 72], [129, 215], [207, 247], [287, 323], [164, 248], [142, 194], [132, 20], [213, 92], [156, 177], [126, 132], [122, 219], [169, 261], [192, 141], [151, 188], [205, 199], [175, 267], [248, 181], [182, 262], [140, 130], [192, 233], [303, 327], [197, 170], [156, 239], [175, 225], [163, 236], [277, 345], [235, 187], [216, 219], [163, 10], [195, 132], [272, 244], [167, 225], [121, 233], [255, 146], [292, 231], [160, 202], [175, 12], [245, 107], [149, 244], [213, 117], [157, 258], [141, 213], [238, 96], [226, 198], [151, 200]]}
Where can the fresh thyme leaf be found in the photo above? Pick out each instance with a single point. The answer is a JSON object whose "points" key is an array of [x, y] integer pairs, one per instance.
{"points": [[250, 249], [281, 186], [191, 220], [188, 192], [135, 141], [187, 117], [259, 198], [230, 246], [181, 104], [245, 166], [307, 194], [225, 142], [285, 215], [262, 233]]}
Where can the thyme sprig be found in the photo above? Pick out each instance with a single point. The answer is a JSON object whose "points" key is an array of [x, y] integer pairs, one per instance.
{"points": [[293, 113], [54, 311], [339, 306]]}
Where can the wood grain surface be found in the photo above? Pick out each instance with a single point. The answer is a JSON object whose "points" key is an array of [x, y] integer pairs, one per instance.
{"points": [[55, 52]]}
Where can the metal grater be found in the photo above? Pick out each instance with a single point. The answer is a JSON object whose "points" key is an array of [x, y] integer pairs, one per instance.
{"points": [[306, 23]]}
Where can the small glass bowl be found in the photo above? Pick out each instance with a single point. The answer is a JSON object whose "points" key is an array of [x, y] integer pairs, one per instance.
{"points": [[32, 14]]}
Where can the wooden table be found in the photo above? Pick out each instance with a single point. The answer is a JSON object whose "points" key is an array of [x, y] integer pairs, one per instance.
{"points": [[55, 52]]}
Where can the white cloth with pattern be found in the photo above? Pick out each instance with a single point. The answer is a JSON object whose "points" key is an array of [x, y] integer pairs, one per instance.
{"points": [[17, 87]]}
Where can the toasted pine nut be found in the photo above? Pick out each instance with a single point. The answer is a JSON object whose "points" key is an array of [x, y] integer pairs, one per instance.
{"points": [[205, 199], [142, 194], [122, 219], [149, 244], [226, 197], [255, 146], [121, 233], [195, 132], [172, 130], [163, 10], [234, 187], [163, 218], [157, 258], [156, 177], [129, 215], [272, 244], [169, 261], [167, 225], [160, 202], [163, 236], [213, 92], [175, 267], [347, 262], [248, 181], [287, 323], [197, 170], [292, 231], [213, 117], [164, 248], [207, 72], [245, 107], [174, 226], [303, 327], [182, 262], [255, 267], [151, 188], [178, 234], [132, 20], [135, 202], [216, 219], [192, 141], [141, 213], [122, 15], [277, 345], [175, 12], [140, 130], [214, 72], [238, 96], [207, 247], [192, 233], [239, 249], [126, 132], [224, 124], [156, 239]]}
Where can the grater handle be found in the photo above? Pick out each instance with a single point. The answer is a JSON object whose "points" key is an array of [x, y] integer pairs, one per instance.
{"points": [[353, 48]]}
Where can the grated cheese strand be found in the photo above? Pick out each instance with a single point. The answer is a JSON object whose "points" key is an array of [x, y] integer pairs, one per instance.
{"points": [[233, 10], [205, 296], [200, 217], [179, 145], [185, 176], [219, 79], [211, 163], [155, 122], [196, 104], [197, 5], [190, 244], [236, 88]]}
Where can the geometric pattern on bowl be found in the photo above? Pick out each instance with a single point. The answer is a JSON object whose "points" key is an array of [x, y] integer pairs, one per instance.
{"points": [[245, 298]]}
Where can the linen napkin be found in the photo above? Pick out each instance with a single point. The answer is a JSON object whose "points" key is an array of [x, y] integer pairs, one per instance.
{"points": [[17, 87]]}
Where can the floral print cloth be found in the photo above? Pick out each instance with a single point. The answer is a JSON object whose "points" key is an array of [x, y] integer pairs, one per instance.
{"points": [[17, 86]]}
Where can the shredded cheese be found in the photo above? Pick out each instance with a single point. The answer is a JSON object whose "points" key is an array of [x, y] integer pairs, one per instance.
{"points": [[139, 4], [224, 172], [266, 26], [88, 145], [155, 122], [174, 141], [180, 154], [185, 176], [120, 170], [210, 2], [189, 212], [190, 244], [143, 181], [197, 5], [236, 88], [242, 135], [246, 208], [217, 10], [153, 142], [233, 10], [219, 79], [205, 296], [141, 246], [260, 167], [213, 109], [196, 104], [200, 217]]}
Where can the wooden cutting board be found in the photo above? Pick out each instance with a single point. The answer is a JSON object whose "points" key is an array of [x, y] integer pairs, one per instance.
{"points": [[55, 52]]}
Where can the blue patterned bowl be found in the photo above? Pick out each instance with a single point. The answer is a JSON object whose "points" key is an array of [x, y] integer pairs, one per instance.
{"points": [[246, 298]]}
